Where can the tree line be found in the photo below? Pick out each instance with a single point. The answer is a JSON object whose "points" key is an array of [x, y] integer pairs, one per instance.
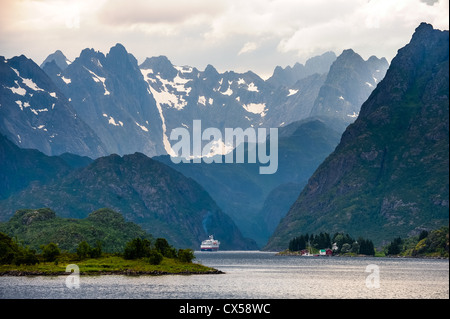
{"points": [[339, 243], [153, 252], [427, 243]]}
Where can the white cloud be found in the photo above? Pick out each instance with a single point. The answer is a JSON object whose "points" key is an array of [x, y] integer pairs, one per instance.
{"points": [[369, 27], [146, 14], [248, 47], [229, 34]]}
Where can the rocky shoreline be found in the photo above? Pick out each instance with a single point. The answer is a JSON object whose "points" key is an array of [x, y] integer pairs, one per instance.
{"points": [[296, 253], [128, 272]]}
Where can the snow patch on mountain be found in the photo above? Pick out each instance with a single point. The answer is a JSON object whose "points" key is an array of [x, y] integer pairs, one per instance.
{"points": [[166, 143], [256, 108], [66, 80], [20, 105], [142, 127], [170, 99], [20, 90], [184, 69], [228, 92], [28, 82], [202, 100], [218, 147], [292, 92], [112, 121], [252, 87], [99, 79]]}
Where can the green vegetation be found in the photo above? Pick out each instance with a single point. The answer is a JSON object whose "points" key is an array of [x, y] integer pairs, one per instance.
{"points": [[12, 253], [426, 244], [37, 227], [389, 175], [139, 256], [340, 243], [50, 252], [38, 242]]}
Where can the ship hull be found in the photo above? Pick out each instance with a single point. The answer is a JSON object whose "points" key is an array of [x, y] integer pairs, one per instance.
{"points": [[209, 248]]}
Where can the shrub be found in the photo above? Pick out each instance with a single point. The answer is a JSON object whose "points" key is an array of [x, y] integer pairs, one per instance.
{"points": [[96, 252], [84, 250], [8, 249], [50, 252], [26, 256], [186, 255], [395, 247], [164, 248], [137, 248], [154, 257]]}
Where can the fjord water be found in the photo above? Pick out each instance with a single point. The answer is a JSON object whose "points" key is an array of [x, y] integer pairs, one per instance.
{"points": [[256, 275]]}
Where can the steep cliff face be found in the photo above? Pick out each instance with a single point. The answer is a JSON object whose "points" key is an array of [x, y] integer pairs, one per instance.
{"points": [[34, 113], [389, 175], [349, 83]]}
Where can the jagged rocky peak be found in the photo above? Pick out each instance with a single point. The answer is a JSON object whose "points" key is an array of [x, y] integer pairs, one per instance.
{"points": [[59, 58], [210, 72], [28, 75], [320, 64], [349, 59], [91, 58], [119, 58], [118, 50], [349, 83], [290, 75], [161, 65]]}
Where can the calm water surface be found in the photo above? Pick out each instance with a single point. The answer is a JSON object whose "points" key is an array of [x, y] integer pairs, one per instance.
{"points": [[257, 275]]}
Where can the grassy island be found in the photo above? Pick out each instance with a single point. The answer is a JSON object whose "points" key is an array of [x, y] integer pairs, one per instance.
{"points": [[107, 264], [38, 242]]}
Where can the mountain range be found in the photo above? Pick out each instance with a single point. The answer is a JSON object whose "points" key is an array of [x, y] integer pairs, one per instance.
{"points": [[118, 106], [358, 140], [34, 113], [389, 175]]}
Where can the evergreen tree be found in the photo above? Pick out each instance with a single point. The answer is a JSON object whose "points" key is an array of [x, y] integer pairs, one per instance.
{"points": [[50, 252], [8, 249], [164, 248], [137, 248], [395, 247], [83, 250]]}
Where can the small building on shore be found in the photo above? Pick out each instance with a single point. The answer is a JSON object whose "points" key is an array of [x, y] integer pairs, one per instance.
{"points": [[326, 252]]}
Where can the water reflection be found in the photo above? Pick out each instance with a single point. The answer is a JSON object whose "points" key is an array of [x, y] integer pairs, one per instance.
{"points": [[256, 275]]}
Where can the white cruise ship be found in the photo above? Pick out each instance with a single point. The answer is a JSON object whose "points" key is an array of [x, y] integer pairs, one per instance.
{"points": [[210, 244]]}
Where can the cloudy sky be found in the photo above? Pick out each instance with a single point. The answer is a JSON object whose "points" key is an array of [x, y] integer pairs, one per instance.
{"points": [[237, 35]]}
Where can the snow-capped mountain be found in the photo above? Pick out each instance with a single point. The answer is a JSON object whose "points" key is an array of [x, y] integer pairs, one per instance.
{"points": [[184, 94], [34, 113], [231, 99], [132, 107], [59, 58], [110, 94]]}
